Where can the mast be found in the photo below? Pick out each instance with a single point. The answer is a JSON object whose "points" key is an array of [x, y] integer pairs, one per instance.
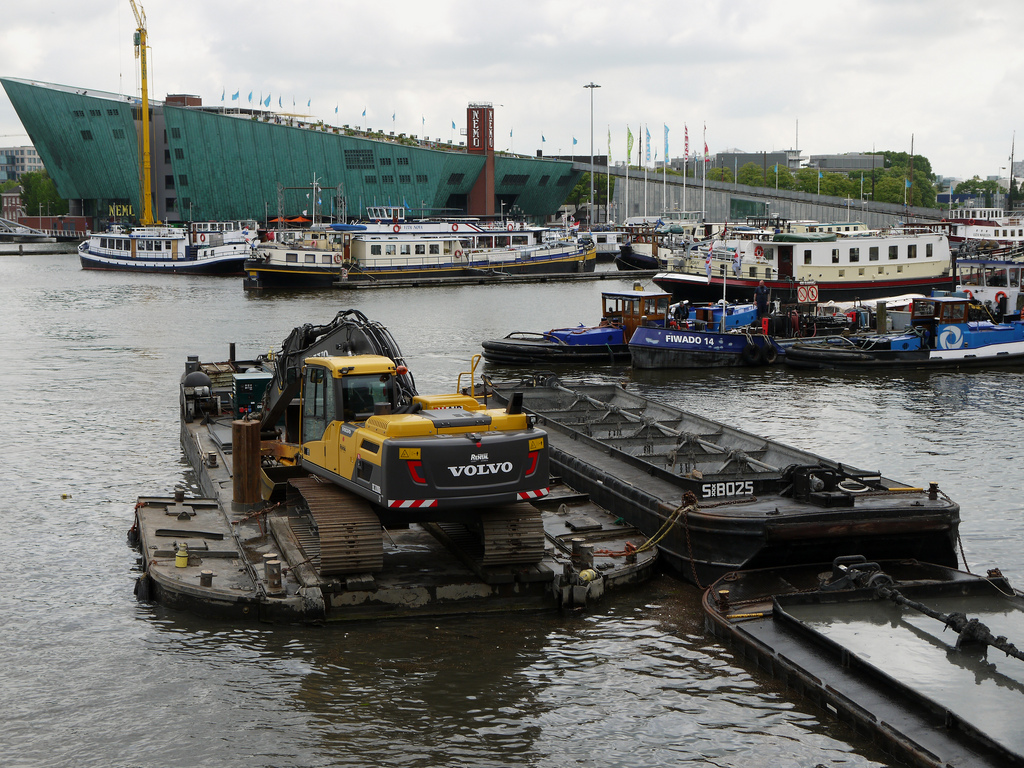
{"points": [[146, 170]]}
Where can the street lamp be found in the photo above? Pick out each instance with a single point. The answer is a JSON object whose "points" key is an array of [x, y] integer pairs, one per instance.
{"points": [[590, 211]]}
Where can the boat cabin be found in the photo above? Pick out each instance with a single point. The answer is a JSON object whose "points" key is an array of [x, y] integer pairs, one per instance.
{"points": [[630, 309], [991, 281], [929, 315]]}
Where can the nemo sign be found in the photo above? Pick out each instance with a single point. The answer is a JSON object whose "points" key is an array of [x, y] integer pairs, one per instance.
{"points": [[120, 210], [480, 127]]}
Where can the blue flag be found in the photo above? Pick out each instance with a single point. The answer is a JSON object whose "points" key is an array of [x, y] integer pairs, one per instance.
{"points": [[250, 97], [364, 111], [223, 92], [908, 183], [453, 125], [279, 102], [266, 101], [574, 141], [542, 138], [234, 96]]}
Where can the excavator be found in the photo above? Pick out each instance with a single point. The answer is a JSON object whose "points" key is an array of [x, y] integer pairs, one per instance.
{"points": [[342, 407]]}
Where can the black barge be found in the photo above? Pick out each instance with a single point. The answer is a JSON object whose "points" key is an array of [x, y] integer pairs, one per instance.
{"points": [[718, 499]]}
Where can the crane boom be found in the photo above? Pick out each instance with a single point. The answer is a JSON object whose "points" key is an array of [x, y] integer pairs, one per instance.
{"points": [[146, 169]]}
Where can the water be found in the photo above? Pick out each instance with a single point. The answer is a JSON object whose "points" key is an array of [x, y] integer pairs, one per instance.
{"points": [[89, 367]]}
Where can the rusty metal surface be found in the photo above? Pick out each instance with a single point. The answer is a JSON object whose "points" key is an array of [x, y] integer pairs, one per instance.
{"points": [[348, 531]]}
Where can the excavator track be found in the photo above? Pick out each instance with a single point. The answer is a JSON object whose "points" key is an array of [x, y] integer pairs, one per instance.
{"points": [[347, 529], [512, 534]]}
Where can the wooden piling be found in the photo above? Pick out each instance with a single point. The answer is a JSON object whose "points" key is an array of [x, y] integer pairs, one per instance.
{"points": [[245, 454]]}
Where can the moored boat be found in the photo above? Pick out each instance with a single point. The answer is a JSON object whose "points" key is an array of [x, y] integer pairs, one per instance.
{"points": [[203, 248], [623, 312], [866, 642], [829, 265], [940, 335], [326, 257], [719, 499], [718, 335]]}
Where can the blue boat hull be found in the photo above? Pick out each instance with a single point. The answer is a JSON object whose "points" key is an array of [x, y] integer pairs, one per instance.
{"points": [[670, 348]]}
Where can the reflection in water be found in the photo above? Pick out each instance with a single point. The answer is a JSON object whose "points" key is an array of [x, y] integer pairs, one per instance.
{"points": [[89, 371]]}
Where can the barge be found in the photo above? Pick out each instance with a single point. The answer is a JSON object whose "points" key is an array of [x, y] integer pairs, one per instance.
{"points": [[278, 542], [867, 642], [718, 499]]}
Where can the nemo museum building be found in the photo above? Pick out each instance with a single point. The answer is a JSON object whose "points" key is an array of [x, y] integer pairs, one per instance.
{"points": [[217, 163]]}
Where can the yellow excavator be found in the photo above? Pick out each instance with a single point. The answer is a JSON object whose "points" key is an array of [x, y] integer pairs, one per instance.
{"points": [[343, 407]]}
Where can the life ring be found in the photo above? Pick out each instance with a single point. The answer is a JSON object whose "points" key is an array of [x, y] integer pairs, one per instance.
{"points": [[202, 237], [458, 254], [969, 294], [455, 227], [1001, 295], [344, 274], [337, 258], [510, 226], [397, 228], [758, 251]]}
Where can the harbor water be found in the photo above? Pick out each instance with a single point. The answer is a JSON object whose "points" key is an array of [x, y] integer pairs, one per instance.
{"points": [[89, 367]]}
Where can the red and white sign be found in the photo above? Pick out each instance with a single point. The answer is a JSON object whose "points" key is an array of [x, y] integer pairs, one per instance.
{"points": [[807, 294]]}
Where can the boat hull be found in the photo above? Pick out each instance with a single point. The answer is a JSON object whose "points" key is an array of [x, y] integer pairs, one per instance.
{"points": [[264, 274], [224, 266], [696, 288], [654, 348], [526, 352]]}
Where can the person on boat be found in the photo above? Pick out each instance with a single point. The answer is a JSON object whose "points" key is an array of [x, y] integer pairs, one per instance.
{"points": [[761, 298]]}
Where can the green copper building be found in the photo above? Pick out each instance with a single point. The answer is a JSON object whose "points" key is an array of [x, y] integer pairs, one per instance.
{"points": [[217, 164]]}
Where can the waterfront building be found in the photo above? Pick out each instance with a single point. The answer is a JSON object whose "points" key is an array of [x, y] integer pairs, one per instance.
{"points": [[14, 161], [214, 163]]}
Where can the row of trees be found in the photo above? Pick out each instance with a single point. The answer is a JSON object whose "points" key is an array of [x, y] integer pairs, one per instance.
{"points": [[886, 183]]}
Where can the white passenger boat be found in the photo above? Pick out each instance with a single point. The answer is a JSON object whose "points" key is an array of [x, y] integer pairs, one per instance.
{"points": [[201, 248], [813, 266]]}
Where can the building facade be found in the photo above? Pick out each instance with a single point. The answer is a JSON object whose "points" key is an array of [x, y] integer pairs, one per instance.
{"points": [[215, 163], [14, 161]]}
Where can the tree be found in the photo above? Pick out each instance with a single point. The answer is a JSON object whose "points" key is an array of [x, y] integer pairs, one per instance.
{"points": [[39, 195], [752, 175], [580, 194], [10, 184], [720, 174]]}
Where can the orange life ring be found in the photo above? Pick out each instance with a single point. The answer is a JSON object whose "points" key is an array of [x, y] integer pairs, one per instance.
{"points": [[202, 237], [510, 226], [458, 254], [397, 228], [337, 258], [758, 251], [455, 227], [1001, 295], [969, 294]]}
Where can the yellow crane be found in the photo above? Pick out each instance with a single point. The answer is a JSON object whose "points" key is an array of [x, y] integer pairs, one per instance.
{"points": [[146, 171]]}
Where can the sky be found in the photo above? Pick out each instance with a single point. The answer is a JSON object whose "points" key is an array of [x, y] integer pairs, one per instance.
{"points": [[754, 75]]}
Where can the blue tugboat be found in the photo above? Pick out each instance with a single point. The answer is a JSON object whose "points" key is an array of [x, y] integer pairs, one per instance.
{"points": [[623, 313], [718, 335], [940, 335]]}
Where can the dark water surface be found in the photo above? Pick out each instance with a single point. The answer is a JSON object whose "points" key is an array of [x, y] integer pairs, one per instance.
{"points": [[89, 367]]}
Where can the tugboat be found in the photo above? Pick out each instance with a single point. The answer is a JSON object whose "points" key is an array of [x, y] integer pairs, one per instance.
{"points": [[624, 312], [940, 336]]}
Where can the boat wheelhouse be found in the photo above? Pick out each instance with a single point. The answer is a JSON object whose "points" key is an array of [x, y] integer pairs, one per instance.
{"points": [[623, 312], [993, 282]]}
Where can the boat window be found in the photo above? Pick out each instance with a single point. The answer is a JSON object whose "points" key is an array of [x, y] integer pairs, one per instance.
{"points": [[420, 249], [435, 248], [753, 271], [768, 274], [149, 245], [389, 250], [1014, 278], [860, 271], [807, 257], [311, 258], [167, 245], [912, 251], [894, 252], [375, 250], [406, 249], [325, 259], [842, 272], [291, 258], [855, 254], [500, 242], [158, 245], [873, 253], [520, 240], [927, 250], [835, 255]]}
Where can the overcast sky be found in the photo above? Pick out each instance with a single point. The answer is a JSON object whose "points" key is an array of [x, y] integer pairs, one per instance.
{"points": [[837, 76]]}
